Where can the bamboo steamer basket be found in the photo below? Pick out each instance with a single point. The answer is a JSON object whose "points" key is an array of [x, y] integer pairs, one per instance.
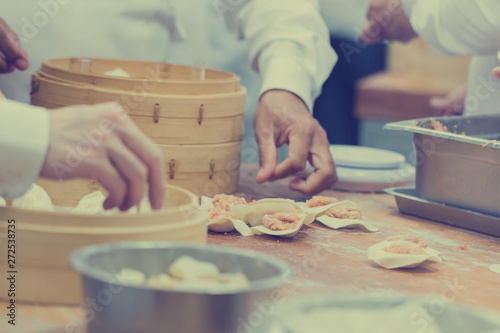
{"points": [[199, 124], [44, 240], [166, 119]]}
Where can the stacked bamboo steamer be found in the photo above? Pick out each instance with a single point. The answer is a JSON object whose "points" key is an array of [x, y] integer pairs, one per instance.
{"points": [[45, 240], [197, 123]]}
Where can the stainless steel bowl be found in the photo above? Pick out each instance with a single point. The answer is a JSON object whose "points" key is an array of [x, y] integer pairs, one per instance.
{"points": [[439, 310], [113, 307]]}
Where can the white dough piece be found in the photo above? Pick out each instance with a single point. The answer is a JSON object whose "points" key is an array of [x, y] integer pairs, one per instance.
{"points": [[162, 281], [262, 230], [495, 268], [394, 260], [252, 214], [117, 72], [144, 207], [224, 224], [131, 276], [3, 203], [337, 223], [90, 204], [35, 199], [187, 268]]}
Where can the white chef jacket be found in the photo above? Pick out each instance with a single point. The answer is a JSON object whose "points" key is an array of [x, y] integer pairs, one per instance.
{"points": [[464, 27], [287, 41], [24, 138]]}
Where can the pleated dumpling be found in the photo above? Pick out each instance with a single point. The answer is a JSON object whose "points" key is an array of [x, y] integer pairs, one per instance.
{"points": [[34, 199], [403, 252]]}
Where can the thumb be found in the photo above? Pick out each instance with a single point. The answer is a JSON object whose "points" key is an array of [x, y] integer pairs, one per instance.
{"points": [[440, 103]]}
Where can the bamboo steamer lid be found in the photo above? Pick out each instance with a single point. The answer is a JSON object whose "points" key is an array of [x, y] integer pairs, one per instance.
{"points": [[168, 78], [46, 239], [199, 124]]}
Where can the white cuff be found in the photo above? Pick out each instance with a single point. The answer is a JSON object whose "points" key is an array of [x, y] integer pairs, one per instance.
{"points": [[286, 74], [24, 140]]}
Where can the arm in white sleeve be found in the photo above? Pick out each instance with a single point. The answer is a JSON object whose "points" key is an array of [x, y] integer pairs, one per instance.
{"points": [[24, 139], [289, 45], [457, 27]]}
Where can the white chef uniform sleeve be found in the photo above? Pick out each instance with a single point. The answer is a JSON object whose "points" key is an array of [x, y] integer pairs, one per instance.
{"points": [[289, 45], [24, 140], [457, 27]]}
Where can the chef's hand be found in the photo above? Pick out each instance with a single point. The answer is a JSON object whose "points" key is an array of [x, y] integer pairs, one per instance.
{"points": [[102, 143], [496, 73], [451, 104], [13, 55], [387, 21], [282, 117]]}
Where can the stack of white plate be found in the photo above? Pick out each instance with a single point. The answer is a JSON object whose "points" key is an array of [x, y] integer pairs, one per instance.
{"points": [[365, 169]]}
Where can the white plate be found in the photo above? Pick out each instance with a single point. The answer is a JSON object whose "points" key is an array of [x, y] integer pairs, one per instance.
{"points": [[366, 157], [374, 180]]}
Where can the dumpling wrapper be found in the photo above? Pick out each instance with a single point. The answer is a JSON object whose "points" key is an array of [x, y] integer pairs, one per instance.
{"points": [[34, 199], [224, 224], [395, 260], [262, 230], [252, 214], [336, 223], [495, 268], [117, 72]]}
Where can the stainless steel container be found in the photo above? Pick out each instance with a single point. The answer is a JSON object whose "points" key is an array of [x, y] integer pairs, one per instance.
{"points": [[112, 307], [355, 314], [460, 167]]}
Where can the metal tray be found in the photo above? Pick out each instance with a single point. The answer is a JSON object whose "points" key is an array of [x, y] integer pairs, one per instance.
{"points": [[410, 203], [460, 167]]}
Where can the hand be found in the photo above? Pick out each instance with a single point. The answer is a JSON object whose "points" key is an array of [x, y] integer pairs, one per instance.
{"points": [[102, 143], [451, 104], [387, 21], [496, 73], [282, 117], [14, 56]]}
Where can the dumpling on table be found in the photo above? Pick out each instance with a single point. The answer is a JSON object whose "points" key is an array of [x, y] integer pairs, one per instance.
{"points": [[34, 199]]}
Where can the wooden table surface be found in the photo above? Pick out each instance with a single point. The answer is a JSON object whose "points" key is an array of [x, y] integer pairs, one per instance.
{"points": [[326, 261]]}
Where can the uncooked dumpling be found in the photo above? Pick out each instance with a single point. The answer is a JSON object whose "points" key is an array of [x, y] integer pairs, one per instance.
{"points": [[285, 225], [35, 199], [2, 202], [91, 204], [403, 252], [252, 214], [345, 214], [221, 220]]}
